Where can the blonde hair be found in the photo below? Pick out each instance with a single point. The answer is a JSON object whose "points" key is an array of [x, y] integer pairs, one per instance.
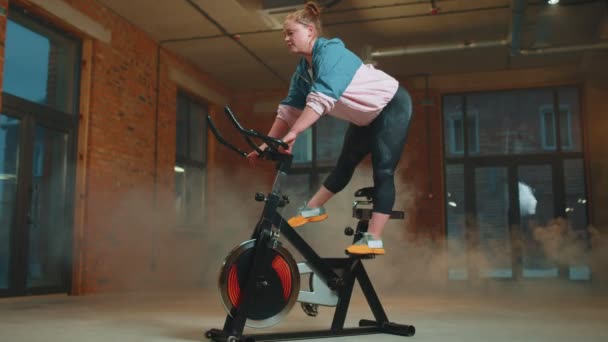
{"points": [[309, 15]]}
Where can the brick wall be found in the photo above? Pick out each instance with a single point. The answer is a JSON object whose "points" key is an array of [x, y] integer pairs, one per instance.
{"points": [[130, 239], [422, 168]]}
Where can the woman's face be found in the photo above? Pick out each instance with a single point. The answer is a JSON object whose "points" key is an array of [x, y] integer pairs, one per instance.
{"points": [[298, 37]]}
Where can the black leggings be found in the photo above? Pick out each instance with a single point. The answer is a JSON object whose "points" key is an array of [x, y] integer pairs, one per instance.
{"points": [[384, 138]]}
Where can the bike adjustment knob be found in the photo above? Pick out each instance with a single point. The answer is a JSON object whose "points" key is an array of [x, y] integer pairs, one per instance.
{"points": [[348, 231], [260, 197]]}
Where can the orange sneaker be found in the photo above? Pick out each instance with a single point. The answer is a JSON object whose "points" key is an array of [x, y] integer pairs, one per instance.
{"points": [[306, 214], [366, 245]]}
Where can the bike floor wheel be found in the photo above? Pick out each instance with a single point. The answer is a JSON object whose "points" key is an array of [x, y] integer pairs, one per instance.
{"points": [[277, 285]]}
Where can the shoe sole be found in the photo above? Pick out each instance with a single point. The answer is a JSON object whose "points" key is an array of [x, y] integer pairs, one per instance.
{"points": [[300, 221], [375, 251]]}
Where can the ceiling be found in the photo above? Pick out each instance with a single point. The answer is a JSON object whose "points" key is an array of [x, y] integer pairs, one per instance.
{"points": [[240, 42]]}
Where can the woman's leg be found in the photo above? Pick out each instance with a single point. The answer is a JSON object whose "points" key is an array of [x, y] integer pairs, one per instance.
{"points": [[389, 134], [355, 147], [320, 197]]}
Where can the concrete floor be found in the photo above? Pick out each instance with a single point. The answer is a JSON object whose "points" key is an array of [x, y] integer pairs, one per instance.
{"points": [[186, 316]]}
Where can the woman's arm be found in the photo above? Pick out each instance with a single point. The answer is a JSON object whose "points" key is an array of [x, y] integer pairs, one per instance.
{"points": [[279, 129], [306, 119]]}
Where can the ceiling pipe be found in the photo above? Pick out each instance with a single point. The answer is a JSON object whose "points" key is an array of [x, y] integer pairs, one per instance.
{"points": [[518, 11], [562, 49], [412, 50]]}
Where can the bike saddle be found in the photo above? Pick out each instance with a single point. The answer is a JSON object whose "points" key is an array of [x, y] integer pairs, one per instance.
{"points": [[365, 192]]}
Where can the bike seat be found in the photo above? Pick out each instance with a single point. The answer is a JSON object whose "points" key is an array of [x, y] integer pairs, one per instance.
{"points": [[367, 192]]}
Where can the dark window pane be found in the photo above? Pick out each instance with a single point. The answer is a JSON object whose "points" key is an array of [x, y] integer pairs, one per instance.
{"points": [[40, 65], [191, 145], [547, 129], [330, 135], [9, 163], [508, 121], [457, 135], [189, 195], [198, 133], [472, 132], [570, 120], [302, 149], [456, 229], [181, 136], [536, 215], [453, 125], [492, 201], [49, 226], [579, 245]]}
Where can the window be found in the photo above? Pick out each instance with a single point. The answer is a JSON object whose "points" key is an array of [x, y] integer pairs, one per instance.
{"points": [[302, 149], [527, 140], [38, 128], [325, 137], [456, 133], [548, 127], [315, 153], [190, 161], [455, 127], [41, 65]]}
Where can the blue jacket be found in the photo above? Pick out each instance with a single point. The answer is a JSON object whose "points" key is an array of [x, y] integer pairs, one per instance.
{"points": [[333, 68]]}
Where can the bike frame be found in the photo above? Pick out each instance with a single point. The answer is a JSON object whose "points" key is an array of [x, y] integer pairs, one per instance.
{"points": [[351, 267]]}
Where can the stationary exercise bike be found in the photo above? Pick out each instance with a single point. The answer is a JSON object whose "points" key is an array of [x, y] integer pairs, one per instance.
{"points": [[259, 281]]}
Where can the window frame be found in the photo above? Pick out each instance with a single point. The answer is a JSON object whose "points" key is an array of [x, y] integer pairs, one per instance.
{"points": [[45, 28], [549, 109], [453, 133], [185, 162], [555, 157]]}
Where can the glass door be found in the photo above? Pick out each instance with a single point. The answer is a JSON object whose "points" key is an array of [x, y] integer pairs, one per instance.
{"points": [[48, 222], [36, 182], [538, 222], [492, 202], [516, 222], [10, 128], [529, 221]]}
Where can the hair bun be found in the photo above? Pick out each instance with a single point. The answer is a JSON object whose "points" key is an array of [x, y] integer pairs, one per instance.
{"points": [[313, 8]]}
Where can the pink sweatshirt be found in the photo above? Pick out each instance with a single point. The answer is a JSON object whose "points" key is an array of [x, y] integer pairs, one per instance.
{"points": [[367, 94]]}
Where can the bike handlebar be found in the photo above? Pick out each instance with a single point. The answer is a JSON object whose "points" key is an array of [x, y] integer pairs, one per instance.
{"points": [[221, 139], [273, 143]]}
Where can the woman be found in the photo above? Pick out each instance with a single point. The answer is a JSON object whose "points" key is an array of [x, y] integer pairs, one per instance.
{"points": [[332, 80]]}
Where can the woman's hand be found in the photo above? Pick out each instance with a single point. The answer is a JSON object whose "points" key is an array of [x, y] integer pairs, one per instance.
{"points": [[253, 156], [290, 139]]}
